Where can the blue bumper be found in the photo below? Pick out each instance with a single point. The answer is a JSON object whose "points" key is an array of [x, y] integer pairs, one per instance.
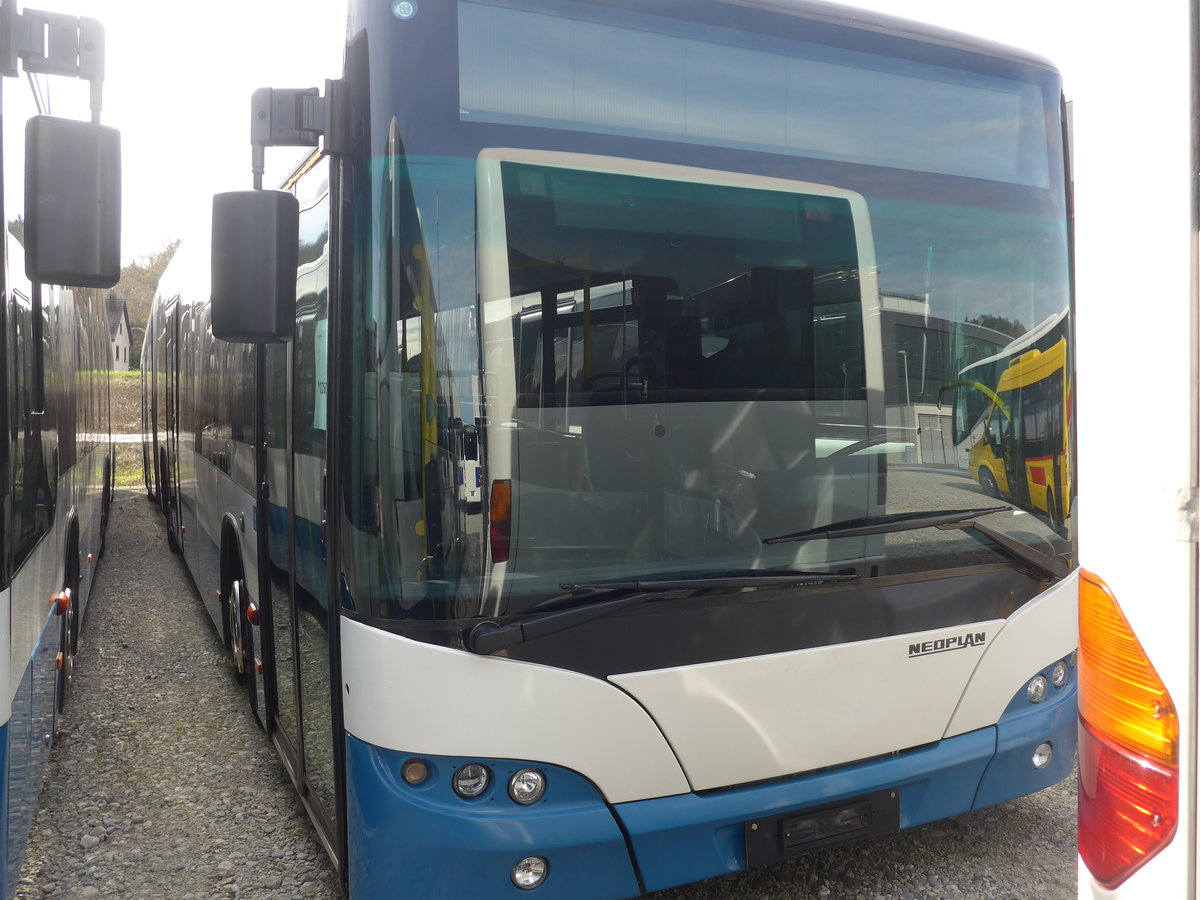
{"points": [[428, 841]]}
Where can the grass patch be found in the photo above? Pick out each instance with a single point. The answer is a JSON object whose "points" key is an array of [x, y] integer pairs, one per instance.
{"points": [[128, 465]]}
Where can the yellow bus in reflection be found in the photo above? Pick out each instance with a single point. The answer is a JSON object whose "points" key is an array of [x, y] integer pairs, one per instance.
{"points": [[1022, 454]]}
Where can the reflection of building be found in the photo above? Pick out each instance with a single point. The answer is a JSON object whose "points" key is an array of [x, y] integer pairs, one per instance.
{"points": [[118, 332], [923, 356]]}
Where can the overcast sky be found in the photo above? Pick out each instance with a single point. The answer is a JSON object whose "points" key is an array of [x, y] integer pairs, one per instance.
{"points": [[179, 77]]}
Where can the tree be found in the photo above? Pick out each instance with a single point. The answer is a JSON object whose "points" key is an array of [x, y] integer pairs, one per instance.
{"points": [[139, 281], [1010, 327]]}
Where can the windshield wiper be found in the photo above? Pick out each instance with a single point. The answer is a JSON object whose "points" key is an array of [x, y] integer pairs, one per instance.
{"points": [[1045, 566], [489, 636], [891, 524]]}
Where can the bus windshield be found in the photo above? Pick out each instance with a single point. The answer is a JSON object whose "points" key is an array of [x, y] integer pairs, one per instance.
{"points": [[676, 365], [612, 339]]}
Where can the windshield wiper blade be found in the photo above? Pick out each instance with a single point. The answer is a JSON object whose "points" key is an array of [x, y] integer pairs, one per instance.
{"points": [[1051, 568], [490, 637], [750, 579], [1044, 566], [890, 524]]}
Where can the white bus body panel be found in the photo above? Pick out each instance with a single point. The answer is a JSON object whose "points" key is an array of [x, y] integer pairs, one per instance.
{"points": [[728, 722], [1041, 631], [1135, 266], [418, 698], [745, 720]]}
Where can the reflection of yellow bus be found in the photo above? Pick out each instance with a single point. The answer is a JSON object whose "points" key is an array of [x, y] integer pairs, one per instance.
{"points": [[1022, 455]]}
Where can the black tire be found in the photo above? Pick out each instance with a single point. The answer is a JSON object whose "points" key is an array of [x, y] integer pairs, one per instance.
{"points": [[987, 483], [1054, 510], [241, 640], [105, 504], [65, 662]]}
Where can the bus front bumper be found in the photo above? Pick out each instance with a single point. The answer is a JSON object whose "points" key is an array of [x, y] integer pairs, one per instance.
{"points": [[428, 841]]}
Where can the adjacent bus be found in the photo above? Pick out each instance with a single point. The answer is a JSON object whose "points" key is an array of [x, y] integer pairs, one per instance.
{"points": [[59, 193], [539, 453], [1139, 622], [1023, 441]]}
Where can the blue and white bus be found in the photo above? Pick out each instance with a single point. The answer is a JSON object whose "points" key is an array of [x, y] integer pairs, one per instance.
{"points": [[59, 193], [541, 455]]}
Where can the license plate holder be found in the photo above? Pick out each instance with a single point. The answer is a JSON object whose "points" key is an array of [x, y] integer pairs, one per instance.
{"points": [[785, 835]]}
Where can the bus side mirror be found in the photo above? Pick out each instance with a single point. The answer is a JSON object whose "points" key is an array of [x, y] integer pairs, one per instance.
{"points": [[255, 241], [72, 203]]}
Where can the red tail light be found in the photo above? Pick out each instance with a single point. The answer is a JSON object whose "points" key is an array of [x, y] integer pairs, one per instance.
{"points": [[1128, 743], [500, 514]]}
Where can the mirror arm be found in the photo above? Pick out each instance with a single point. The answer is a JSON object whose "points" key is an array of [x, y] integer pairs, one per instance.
{"points": [[55, 44], [293, 117]]}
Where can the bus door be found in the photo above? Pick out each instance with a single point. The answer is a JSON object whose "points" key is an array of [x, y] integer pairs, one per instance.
{"points": [[300, 630]]}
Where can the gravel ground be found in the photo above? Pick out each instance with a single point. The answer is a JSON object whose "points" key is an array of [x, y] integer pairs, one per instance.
{"points": [[162, 786]]}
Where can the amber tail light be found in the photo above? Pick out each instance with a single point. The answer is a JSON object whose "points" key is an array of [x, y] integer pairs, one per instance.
{"points": [[1128, 743]]}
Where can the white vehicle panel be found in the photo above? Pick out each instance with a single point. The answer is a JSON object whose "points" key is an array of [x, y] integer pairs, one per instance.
{"points": [[745, 720], [1038, 634], [419, 698]]}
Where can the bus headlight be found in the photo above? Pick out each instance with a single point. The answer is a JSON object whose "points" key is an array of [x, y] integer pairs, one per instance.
{"points": [[1058, 675], [472, 780], [530, 872], [1037, 688], [527, 786], [1042, 755]]}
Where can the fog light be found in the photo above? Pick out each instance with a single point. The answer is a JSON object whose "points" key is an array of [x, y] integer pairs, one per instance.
{"points": [[472, 780], [1042, 755], [1058, 675], [530, 872], [415, 771], [527, 786], [1036, 690]]}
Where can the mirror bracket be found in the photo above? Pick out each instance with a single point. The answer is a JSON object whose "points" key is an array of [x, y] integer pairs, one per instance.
{"points": [[294, 117], [54, 44]]}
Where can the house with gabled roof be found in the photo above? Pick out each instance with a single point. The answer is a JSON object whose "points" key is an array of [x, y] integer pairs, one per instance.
{"points": [[118, 332]]}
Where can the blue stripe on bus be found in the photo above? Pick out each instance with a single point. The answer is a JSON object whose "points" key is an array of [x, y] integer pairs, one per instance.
{"points": [[444, 846], [8, 878], [455, 848], [26, 748]]}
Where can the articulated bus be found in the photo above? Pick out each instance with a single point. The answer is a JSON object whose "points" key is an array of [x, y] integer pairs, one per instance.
{"points": [[1138, 659], [59, 193], [537, 448]]}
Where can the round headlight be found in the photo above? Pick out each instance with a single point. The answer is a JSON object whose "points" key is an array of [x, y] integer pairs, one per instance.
{"points": [[472, 780], [527, 786], [1036, 690], [1058, 675], [530, 872], [1042, 755]]}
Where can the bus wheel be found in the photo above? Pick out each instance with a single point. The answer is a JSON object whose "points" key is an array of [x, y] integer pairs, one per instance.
{"points": [[1053, 510], [64, 663], [987, 481], [239, 631], [105, 504]]}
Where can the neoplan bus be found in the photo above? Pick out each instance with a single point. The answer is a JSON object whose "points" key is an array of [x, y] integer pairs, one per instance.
{"points": [[531, 455], [59, 193]]}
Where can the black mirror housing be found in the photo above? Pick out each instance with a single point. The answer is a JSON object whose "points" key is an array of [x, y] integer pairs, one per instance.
{"points": [[72, 203], [255, 240]]}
